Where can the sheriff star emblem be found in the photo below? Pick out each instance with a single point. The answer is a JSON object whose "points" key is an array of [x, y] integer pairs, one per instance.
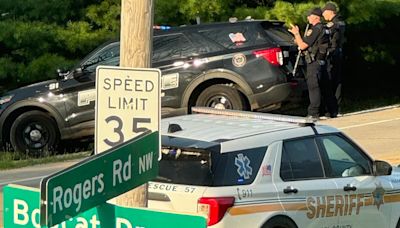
{"points": [[378, 195], [309, 32]]}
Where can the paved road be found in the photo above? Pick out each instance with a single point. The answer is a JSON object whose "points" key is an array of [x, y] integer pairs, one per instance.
{"points": [[377, 132], [28, 176]]}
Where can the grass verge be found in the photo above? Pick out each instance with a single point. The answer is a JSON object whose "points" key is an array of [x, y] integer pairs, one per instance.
{"points": [[358, 104], [348, 105], [8, 159]]}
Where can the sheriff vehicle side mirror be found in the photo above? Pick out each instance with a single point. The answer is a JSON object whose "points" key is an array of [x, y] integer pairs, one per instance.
{"points": [[382, 168]]}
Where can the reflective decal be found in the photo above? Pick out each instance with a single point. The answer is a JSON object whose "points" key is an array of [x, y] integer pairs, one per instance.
{"points": [[244, 193], [343, 205], [315, 207], [163, 187], [170, 81], [170, 187], [237, 37], [395, 180], [378, 195], [266, 170], [239, 60], [53, 86], [86, 96], [329, 24], [244, 169], [238, 193], [199, 62], [337, 205]]}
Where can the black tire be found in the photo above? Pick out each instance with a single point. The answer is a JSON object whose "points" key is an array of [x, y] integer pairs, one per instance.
{"points": [[279, 222], [222, 97], [34, 132]]}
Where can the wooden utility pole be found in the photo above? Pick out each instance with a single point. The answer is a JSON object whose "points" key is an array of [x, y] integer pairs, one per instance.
{"points": [[136, 51]]}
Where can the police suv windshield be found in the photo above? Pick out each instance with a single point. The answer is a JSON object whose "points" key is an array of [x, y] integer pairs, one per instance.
{"points": [[107, 55]]}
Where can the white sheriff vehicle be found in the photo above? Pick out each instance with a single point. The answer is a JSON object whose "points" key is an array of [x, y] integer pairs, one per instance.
{"points": [[244, 169]]}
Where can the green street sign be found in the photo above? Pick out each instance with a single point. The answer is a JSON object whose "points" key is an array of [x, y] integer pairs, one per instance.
{"points": [[21, 209], [98, 179]]}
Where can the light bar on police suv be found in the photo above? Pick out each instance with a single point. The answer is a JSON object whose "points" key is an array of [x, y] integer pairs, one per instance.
{"points": [[254, 115]]}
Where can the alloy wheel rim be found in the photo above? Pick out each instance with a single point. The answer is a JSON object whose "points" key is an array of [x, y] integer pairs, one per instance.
{"points": [[219, 102], [35, 136]]}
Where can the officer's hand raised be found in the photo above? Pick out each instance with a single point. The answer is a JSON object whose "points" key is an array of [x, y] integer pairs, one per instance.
{"points": [[294, 29]]}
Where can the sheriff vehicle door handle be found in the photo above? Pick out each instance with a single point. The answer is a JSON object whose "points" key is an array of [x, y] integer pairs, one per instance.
{"points": [[349, 188], [290, 189]]}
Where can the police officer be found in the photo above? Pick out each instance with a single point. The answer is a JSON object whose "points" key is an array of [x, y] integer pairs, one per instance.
{"points": [[314, 46], [336, 29]]}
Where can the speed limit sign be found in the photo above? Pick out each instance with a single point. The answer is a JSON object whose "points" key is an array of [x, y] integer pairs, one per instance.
{"points": [[128, 103]]}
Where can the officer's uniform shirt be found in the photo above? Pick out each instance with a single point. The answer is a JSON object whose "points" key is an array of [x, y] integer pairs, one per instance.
{"points": [[317, 35], [312, 35], [336, 29]]}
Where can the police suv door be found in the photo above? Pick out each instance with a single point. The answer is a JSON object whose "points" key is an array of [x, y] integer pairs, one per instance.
{"points": [[81, 94], [174, 55], [304, 191], [360, 198]]}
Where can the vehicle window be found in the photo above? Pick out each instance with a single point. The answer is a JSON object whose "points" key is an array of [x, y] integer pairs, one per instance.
{"points": [[233, 37], [345, 159], [239, 167], [109, 55], [209, 168], [280, 35], [203, 45], [185, 166], [173, 46], [300, 160]]}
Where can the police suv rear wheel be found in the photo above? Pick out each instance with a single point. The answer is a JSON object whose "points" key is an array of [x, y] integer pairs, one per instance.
{"points": [[279, 222], [34, 132], [221, 97]]}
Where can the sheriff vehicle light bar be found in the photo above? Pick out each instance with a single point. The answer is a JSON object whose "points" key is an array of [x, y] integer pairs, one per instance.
{"points": [[253, 115]]}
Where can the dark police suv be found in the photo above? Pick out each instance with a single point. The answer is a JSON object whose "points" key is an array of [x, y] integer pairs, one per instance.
{"points": [[243, 65]]}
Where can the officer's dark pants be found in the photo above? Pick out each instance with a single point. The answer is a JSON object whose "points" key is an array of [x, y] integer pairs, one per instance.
{"points": [[335, 74], [329, 101], [314, 93]]}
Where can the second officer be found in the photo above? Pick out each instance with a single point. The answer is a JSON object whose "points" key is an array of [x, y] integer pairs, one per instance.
{"points": [[336, 30]]}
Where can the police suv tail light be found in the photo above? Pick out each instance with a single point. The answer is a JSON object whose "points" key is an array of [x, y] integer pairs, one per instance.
{"points": [[272, 55], [214, 208]]}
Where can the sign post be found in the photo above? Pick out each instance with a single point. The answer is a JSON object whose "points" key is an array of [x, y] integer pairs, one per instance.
{"points": [[99, 178], [136, 51]]}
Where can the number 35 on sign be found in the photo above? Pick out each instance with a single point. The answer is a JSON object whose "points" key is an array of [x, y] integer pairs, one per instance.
{"points": [[128, 103]]}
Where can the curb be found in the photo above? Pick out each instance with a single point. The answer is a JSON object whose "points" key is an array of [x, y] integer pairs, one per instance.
{"points": [[372, 110]]}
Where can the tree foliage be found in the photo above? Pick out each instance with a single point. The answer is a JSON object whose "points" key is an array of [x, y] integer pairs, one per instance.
{"points": [[39, 36]]}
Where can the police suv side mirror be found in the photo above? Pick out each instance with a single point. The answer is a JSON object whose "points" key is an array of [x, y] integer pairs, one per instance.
{"points": [[62, 73], [81, 75], [78, 72], [382, 168]]}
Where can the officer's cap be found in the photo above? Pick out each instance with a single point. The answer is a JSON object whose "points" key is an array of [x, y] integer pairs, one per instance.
{"points": [[329, 6], [315, 11]]}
